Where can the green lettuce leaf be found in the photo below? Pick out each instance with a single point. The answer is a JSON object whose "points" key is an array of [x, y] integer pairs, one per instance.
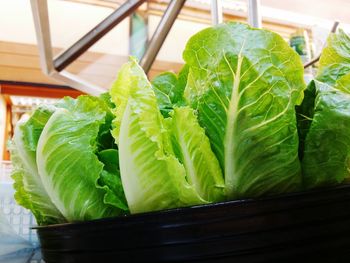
{"points": [[30, 192], [106, 151], [152, 177], [68, 163], [164, 86], [110, 179], [169, 89], [182, 81], [121, 90], [305, 113], [342, 84], [335, 58], [245, 83], [324, 118], [192, 147], [326, 156], [106, 98]]}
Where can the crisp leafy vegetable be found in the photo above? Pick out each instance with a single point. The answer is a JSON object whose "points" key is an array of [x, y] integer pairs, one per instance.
{"points": [[152, 177], [68, 165], [305, 112], [110, 179], [224, 128], [324, 118], [335, 59], [326, 157], [192, 147], [169, 90], [244, 83], [30, 192], [164, 86], [343, 83]]}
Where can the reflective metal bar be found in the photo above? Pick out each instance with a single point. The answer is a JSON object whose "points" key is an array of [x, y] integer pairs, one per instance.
{"points": [[254, 15], [161, 33], [83, 44], [42, 28], [216, 12], [78, 83]]}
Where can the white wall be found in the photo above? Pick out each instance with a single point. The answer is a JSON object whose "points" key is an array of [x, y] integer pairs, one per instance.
{"points": [[68, 22], [176, 40]]}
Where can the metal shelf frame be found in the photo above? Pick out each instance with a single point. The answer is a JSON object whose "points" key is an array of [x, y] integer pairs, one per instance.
{"points": [[54, 67]]}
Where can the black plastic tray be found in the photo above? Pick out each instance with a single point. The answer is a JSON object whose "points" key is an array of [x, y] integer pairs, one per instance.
{"points": [[302, 227]]}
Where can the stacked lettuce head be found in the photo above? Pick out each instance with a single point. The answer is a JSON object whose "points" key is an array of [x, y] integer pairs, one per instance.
{"points": [[65, 164], [324, 118], [234, 123], [224, 128]]}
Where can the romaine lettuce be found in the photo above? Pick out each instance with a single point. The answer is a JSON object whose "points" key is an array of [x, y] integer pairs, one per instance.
{"points": [[30, 192], [152, 177], [245, 83], [326, 150], [225, 127], [335, 58], [192, 148], [324, 117], [66, 164], [169, 89]]}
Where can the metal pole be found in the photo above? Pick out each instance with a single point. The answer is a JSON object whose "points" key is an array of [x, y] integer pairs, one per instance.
{"points": [[42, 28], [216, 12], [254, 15], [161, 33], [83, 44], [78, 83]]}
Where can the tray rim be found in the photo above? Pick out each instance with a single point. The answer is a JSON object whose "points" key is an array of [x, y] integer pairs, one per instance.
{"points": [[247, 201]]}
